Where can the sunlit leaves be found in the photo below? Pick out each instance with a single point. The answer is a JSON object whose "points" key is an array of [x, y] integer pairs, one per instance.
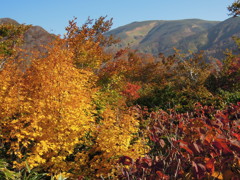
{"points": [[202, 144], [55, 110], [87, 42], [50, 115], [10, 37]]}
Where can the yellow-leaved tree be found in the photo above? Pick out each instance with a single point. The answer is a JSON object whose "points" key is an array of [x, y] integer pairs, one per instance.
{"points": [[54, 111], [88, 42], [49, 116]]}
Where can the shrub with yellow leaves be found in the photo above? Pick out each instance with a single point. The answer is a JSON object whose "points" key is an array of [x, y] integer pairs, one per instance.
{"points": [[54, 112], [116, 135]]}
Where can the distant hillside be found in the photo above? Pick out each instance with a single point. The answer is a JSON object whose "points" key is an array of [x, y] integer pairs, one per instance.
{"points": [[187, 35], [8, 21], [215, 40], [132, 34], [34, 37], [158, 36]]}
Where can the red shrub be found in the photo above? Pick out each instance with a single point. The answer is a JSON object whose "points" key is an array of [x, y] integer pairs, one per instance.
{"points": [[201, 144]]}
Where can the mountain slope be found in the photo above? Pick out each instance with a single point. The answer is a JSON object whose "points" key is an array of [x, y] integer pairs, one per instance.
{"points": [[132, 34], [34, 37], [8, 21], [165, 36], [159, 36], [186, 35], [215, 40]]}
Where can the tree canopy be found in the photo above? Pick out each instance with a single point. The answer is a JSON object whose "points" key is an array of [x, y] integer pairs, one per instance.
{"points": [[235, 8]]}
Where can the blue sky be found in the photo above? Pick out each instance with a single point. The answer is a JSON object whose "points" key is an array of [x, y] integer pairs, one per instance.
{"points": [[53, 15]]}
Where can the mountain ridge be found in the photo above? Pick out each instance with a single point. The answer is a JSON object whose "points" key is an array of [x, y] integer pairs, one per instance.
{"points": [[186, 35], [158, 36]]}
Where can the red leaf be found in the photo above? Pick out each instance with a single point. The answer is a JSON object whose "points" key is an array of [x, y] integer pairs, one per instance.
{"points": [[80, 178], [184, 145], [237, 136], [222, 144], [209, 138], [180, 126], [147, 161], [210, 165], [131, 91], [162, 175]]}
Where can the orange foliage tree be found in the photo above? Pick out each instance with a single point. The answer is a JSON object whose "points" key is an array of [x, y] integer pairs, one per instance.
{"points": [[53, 113], [49, 116], [88, 42]]}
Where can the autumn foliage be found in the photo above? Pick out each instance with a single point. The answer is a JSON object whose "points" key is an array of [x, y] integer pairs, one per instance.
{"points": [[203, 144], [78, 112]]}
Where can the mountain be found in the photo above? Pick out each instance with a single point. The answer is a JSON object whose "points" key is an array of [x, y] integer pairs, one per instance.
{"points": [[186, 35], [8, 21], [215, 40], [158, 36], [34, 37]]}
